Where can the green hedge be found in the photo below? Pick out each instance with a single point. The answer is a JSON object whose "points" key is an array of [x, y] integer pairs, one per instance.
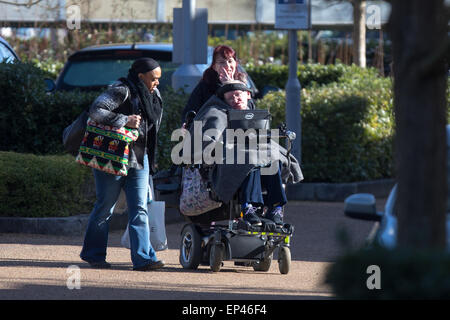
{"points": [[44, 186], [50, 66], [308, 74], [347, 127], [37, 180], [32, 121], [174, 103], [404, 274]]}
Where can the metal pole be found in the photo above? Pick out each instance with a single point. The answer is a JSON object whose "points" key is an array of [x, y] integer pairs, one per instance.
{"points": [[160, 15], [187, 75], [293, 119], [188, 24]]}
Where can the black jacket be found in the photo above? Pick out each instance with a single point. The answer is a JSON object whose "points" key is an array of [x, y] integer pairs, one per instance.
{"points": [[113, 108], [226, 178], [201, 93]]}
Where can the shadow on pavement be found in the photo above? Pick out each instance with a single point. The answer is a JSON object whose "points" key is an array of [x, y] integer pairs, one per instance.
{"points": [[54, 292]]}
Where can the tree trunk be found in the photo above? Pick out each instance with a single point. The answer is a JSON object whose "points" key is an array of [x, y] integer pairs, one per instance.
{"points": [[310, 57], [419, 34], [359, 32]]}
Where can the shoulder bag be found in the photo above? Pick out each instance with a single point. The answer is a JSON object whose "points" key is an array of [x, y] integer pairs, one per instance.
{"points": [[74, 133], [195, 196]]}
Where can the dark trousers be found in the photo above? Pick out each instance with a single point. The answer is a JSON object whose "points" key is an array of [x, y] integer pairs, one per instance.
{"points": [[253, 185]]}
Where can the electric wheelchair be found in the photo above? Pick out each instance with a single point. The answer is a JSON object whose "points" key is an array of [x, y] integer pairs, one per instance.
{"points": [[222, 235]]}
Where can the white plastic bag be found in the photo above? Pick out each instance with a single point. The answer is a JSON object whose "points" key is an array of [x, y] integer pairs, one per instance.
{"points": [[157, 227], [156, 217], [125, 240]]}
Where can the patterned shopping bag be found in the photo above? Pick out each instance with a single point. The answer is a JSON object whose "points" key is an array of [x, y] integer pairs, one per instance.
{"points": [[106, 148]]}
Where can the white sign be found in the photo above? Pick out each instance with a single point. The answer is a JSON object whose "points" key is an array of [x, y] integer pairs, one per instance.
{"points": [[292, 14]]}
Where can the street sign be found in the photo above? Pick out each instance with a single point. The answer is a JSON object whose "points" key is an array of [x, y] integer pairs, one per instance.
{"points": [[293, 14]]}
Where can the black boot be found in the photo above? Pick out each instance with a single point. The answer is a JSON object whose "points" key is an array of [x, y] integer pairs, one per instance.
{"points": [[276, 215], [250, 215]]}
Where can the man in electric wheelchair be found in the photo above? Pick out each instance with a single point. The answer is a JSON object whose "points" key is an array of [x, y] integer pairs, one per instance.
{"points": [[256, 182], [227, 180]]}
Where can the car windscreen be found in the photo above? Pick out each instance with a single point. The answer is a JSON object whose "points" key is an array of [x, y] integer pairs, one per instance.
{"points": [[103, 72], [87, 72], [96, 72]]}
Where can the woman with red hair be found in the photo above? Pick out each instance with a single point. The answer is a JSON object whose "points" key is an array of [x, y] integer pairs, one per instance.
{"points": [[223, 68]]}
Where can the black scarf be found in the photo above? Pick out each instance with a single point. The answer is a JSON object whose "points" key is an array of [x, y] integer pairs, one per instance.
{"points": [[150, 103]]}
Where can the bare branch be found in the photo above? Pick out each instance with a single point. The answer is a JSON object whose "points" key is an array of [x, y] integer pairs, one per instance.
{"points": [[29, 4]]}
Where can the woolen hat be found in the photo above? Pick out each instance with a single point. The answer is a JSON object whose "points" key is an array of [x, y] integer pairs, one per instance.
{"points": [[231, 86], [144, 65]]}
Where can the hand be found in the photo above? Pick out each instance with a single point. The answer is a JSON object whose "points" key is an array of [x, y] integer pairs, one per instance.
{"points": [[134, 121], [224, 76], [183, 129]]}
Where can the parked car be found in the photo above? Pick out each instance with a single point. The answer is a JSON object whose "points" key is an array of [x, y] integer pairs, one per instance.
{"points": [[7, 53], [94, 68], [384, 233]]}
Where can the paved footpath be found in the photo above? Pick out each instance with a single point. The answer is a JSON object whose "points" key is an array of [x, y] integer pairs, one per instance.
{"points": [[42, 266]]}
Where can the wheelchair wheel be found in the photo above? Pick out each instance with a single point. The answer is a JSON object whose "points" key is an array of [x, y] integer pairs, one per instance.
{"points": [[284, 260], [216, 257], [190, 247], [264, 264]]}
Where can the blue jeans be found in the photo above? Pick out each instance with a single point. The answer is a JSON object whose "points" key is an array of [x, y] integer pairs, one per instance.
{"points": [[253, 185], [108, 188]]}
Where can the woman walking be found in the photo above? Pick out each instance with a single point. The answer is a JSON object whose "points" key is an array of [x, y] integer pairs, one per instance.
{"points": [[134, 102]]}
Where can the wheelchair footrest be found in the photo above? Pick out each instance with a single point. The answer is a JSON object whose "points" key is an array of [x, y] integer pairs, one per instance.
{"points": [[268, 226]]}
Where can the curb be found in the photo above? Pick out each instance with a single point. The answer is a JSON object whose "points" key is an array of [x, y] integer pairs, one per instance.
{"points": [[70, 226], [335, 192], [73, 225]]}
